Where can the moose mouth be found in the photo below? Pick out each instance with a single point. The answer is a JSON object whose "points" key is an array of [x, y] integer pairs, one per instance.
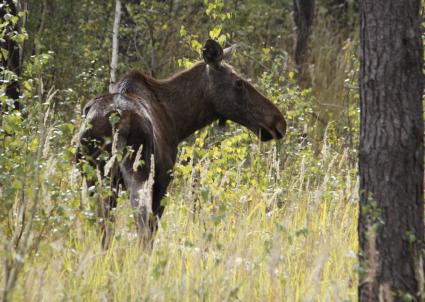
{"points": [[266, 134]]}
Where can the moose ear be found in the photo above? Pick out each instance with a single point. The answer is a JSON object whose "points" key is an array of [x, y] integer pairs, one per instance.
{"points": [[227, 52], [212, 53]]}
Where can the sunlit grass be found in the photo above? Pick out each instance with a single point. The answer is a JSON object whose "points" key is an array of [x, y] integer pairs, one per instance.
{"points": [[287, 238]]}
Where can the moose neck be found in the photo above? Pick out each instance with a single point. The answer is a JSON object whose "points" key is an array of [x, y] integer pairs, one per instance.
{"points": [[185, 100]]}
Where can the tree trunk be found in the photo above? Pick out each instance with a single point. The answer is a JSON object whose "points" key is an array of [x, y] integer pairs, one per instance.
{"points": [[303, 18], [115, 45], [12, 60], [391, 214]]}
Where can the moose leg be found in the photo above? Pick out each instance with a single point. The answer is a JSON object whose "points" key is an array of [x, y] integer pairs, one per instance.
{"points": [[104, 213], [106, 207], [139, 186], [107, 219], [159, 190]]}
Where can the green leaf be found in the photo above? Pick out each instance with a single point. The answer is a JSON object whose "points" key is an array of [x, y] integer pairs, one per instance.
{"points": [[114, 118], [215, 32], [196, 46], [182, 31], [222, 39], [4, 53], [69, 153]]}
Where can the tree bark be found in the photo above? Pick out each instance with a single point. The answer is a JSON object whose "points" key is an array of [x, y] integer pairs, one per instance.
{"points": [[12, 60], [391, 214], [303, 18], [115, 46]]}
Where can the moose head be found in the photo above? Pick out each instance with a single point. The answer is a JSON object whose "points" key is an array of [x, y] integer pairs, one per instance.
{"points": [[236, 99]]}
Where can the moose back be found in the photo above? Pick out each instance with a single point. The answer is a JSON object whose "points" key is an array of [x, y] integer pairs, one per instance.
{"points": [[131, 137]]}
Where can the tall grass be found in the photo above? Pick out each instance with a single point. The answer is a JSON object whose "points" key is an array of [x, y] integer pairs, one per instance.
{"points": [[271, 229]]}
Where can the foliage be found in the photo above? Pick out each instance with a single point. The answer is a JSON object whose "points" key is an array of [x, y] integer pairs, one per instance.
{"points": [[244, 221]]}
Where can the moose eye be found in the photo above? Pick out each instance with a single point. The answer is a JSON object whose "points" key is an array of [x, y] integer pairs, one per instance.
{"points": [[238, 84]]}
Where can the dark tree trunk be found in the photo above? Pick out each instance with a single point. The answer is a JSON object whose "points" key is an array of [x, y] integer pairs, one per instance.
{"points": [[391, 216], [12, 61], [303, 18]]}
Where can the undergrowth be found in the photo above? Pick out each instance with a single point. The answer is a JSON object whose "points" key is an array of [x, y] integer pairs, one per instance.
{"points": [[263, 230]]}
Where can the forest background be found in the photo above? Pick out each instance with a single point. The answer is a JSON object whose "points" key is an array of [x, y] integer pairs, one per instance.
{"points": [[245, 220]]}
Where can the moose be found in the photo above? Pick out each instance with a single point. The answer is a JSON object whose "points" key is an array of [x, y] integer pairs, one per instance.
{"points": [[146, 119]]}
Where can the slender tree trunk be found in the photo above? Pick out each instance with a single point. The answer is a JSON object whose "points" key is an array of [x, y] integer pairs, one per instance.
{"points": [[153, 63], [11, 61], [303, 18], [391, 216], [115, 45]]}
